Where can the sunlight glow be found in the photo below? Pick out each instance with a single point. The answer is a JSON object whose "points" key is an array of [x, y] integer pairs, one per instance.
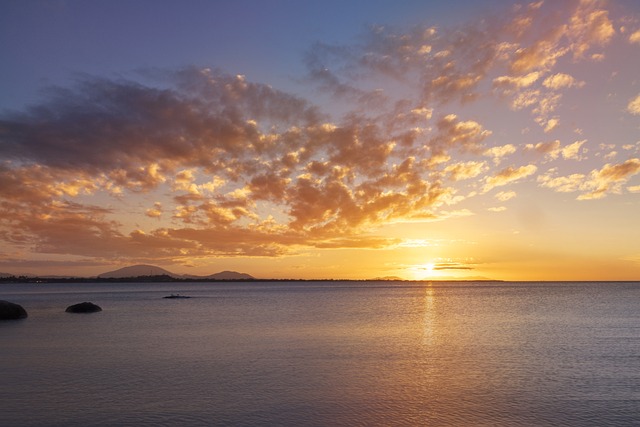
{"points": [[424, 271]]}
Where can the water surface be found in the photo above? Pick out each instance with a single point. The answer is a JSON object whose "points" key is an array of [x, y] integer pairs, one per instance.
{"points": [[323, 354]]}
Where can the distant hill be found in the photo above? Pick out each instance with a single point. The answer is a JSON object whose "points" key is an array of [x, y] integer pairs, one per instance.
{"points": [[230, 275], [137, 271], [152, 270], [5, 275]]}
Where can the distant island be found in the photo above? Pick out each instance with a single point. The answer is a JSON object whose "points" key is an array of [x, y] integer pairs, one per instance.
{"points": [[143, 270]]}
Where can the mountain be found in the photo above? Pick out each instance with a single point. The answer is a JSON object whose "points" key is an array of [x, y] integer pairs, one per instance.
{"points": [[152, 270], [137, 271], [229, 275]]}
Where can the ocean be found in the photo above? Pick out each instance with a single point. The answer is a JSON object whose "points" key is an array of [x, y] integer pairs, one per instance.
{"points": [[323, 354]]}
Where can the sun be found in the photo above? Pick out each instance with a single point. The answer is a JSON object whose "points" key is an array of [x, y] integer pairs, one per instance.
{"points": [[429, 268], [424, 271]]}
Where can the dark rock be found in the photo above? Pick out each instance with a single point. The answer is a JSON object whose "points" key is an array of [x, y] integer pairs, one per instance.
{"points": [[11, 311], [83, 307]]}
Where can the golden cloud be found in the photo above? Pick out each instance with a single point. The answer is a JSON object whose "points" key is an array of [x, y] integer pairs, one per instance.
{"points": [[590, 25], [554, 149], [634, 106], [596, 185], [503, 196], [562, 184], [508, 175], [499, 152], [561, 81], [461, 171], [155, 212]]}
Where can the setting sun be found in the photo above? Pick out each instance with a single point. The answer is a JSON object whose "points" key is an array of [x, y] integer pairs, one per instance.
{"points": [[422, 271], [429, 267]]}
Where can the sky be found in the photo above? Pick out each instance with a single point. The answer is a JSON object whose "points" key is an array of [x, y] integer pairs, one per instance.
{"points": [[359, 139]]}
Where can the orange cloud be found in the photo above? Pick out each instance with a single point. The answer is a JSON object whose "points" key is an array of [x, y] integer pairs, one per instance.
{"points": [[464, 135], [503, 196], [553, 149], [499, 152], [596, 185], [541, 55], [156, 211], [590, 25], [562, 184], [609, 179], [572, 151], [465, 170], [561, 81], [507, 82], [634, 106], [509, 175]]}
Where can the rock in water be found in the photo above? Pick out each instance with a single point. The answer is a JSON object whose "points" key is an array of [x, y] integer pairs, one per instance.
{"points": [[10, 311], [83, 307]]}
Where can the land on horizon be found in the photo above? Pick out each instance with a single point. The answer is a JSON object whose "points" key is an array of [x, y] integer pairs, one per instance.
{"points": [[154, 274], [150, 273]]}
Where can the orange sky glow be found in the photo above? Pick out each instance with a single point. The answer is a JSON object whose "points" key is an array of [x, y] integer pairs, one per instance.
{"points": [[506, 146]]}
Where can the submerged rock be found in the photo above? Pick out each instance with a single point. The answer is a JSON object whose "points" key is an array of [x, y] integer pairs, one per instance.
{"points": [[11, 311], [83, 307], [176, 296]]}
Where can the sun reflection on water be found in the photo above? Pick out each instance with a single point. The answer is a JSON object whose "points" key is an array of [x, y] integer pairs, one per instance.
{"points": [[428, 331]]}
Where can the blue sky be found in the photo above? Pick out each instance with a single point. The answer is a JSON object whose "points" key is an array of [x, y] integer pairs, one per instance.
{"points": [[48, 42]]}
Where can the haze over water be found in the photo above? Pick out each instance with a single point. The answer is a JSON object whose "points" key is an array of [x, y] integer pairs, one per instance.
{"points": [[324, 353]]}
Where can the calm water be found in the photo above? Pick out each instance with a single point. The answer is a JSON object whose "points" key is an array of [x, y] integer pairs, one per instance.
{"points": [[323, 354]]}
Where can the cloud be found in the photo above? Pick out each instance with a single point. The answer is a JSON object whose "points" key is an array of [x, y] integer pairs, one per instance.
{"points": [[155, 211], [589, 26], [634, 106], [561, 81], [635, 37], [463, 135], [507, 82], [465, 170], [572, 151], [453, 64], [597, 184], [229, 156], [540, 56], [539, 42], [509, 175], [562, 184], [499, 152], [609, 179], [553, 149], [503, 196], [443, 266], [116, 126]]}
